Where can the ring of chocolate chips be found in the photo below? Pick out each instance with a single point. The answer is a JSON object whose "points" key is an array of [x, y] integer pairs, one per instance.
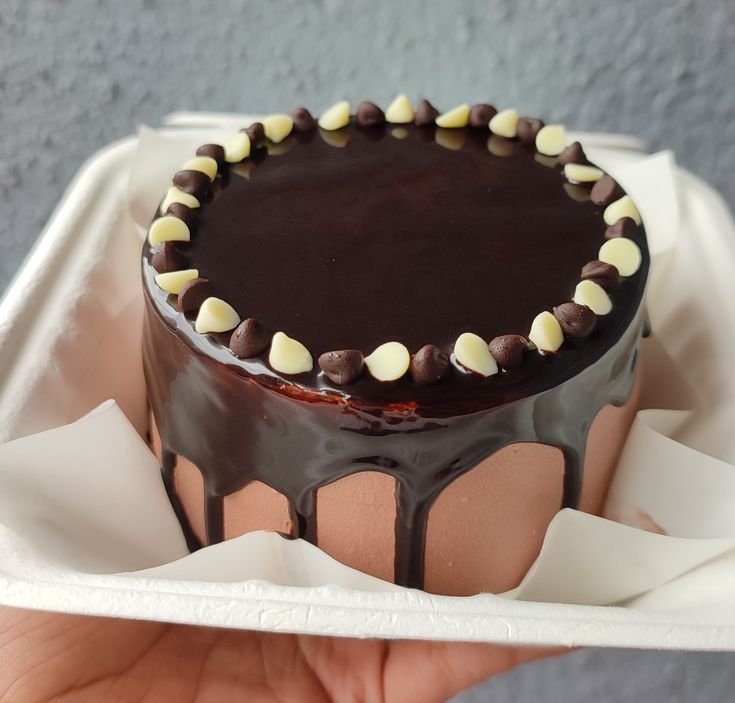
{"points": [[619, 255]]}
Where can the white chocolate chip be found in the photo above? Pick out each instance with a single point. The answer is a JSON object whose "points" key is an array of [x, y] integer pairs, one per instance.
{"points": [[624, 254], [625, 207], [216, 315], [472, 352], [335, 117], [400, 111], [593, 296], [173, 281], [289, 356], [168, 229], [237, 148], [551, 140], [581, 173], [389, 361], [505, 123], [455, 118], [205, 164], [174, 195], [277, 127], [546, 332]]}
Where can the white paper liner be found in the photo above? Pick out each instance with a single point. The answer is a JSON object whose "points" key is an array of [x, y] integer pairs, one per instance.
{"points": [[81, 502]]}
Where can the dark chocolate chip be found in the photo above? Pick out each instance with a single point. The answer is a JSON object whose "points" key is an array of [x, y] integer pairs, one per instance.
{"points": [[193, 293], [249, 339], [575, 320], [193, 182], [605, 275], [256, 132], [508, 350], [481, 114], [343, 366], [302, 120], [428, 364], [528, 128], [214, 151], [183, 213], [166, 258], [605, 191], [573, 154], [624, 227], [425, 115], [369, 114]]}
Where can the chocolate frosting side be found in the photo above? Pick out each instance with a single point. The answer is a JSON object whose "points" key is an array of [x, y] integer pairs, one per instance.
{"points": [[385, 239]]}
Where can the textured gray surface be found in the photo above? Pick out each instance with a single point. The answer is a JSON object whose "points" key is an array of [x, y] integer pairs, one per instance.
{"points": [[75, 75], [610, 676]]}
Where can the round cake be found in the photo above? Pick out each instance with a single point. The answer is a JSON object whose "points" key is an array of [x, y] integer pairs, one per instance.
{"points": [[407, 337]]}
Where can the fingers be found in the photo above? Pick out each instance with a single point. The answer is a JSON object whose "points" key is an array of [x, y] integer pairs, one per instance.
{"points": [[435, 671]]}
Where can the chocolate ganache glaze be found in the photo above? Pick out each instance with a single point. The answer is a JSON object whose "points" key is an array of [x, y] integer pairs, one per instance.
{"points": [[389, 236]]}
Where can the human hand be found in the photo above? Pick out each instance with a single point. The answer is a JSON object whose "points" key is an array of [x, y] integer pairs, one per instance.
{"points": [[78, 659]]}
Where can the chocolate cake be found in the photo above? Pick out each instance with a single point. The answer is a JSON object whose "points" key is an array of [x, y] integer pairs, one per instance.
{"points": [[407, 337]]}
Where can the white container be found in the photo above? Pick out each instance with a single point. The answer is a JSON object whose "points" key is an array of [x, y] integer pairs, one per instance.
{"points": [[78, 505]]}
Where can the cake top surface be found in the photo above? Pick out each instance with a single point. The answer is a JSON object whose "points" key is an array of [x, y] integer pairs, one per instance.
{"points": [[391, 237]]}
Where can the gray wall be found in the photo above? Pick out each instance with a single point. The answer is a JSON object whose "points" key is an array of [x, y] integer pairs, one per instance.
{"points": [[76, 74]]}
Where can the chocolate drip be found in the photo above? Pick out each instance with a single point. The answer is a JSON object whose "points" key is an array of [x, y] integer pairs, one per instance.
{"points": [[411, 518], [168, 464], [214, 516], [305, 511], [647, 325], [572, 477]]}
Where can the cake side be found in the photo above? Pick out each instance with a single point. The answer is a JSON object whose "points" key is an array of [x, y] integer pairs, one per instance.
{"points": [[483, 532], [421, 231], [297, 446]]}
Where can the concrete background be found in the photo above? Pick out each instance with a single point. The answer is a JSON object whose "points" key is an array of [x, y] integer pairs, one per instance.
{"points": [[76, 74]]}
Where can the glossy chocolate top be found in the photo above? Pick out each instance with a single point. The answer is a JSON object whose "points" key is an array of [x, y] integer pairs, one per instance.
{"points": [[394, 236]]}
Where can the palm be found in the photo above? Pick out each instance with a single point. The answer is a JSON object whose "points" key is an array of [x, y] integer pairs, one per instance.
{"points": [[67, 658]]}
